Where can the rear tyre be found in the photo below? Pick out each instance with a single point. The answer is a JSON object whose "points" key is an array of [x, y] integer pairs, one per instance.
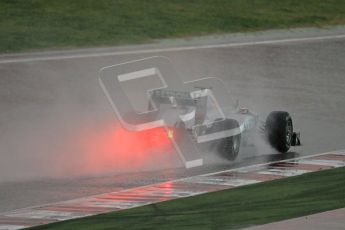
{"points": [[279, 130], [229, 147]]}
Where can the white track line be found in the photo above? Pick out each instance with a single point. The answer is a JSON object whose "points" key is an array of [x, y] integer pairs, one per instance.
{"points": [[12, 227], [340, 152], [173, 49]]}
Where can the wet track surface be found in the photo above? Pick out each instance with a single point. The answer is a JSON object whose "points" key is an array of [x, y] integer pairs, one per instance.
{"points": [[169, 190], [44, 103], [27, 193]]}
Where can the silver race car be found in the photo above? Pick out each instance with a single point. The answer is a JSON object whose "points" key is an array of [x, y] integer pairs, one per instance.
{"points": [[225, 132], [194, 113]]}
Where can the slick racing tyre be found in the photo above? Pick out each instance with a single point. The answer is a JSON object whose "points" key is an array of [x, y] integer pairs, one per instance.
{"points": [[229, 147], [279, 130]]}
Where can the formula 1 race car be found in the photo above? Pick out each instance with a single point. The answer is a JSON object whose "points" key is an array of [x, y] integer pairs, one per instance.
{"points": [[225, 134], [193, 113]]}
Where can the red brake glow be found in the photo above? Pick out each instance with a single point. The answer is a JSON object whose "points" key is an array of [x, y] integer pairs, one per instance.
{"points": [[116, 148]]}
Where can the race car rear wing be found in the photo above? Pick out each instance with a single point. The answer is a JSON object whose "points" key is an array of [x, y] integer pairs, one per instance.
{"points": [[196, 99], [164, 96]]}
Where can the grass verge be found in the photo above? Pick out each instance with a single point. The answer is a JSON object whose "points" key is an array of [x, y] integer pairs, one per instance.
{"points": [[229, 209], [40, 24]]}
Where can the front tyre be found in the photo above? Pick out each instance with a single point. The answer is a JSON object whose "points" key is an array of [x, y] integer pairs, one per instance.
{"points": [[279, 130]]}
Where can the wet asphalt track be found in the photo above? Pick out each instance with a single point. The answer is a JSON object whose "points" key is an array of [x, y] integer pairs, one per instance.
{"points": [[46, 101]]}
